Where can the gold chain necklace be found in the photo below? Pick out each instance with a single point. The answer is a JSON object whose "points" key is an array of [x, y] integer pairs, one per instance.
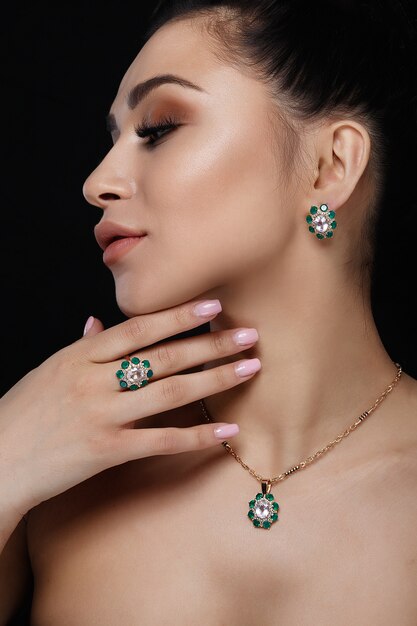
{"points": [[263, 509]]}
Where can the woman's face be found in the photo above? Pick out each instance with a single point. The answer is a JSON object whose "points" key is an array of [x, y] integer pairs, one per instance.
{"points": [[206, 193]]}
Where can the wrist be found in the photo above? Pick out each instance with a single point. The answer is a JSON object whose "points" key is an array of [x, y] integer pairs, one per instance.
{"points": [[14, 502], [9, 520]]}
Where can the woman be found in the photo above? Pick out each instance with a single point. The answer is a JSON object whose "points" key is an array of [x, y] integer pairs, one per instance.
{"points": [[244, 133]]}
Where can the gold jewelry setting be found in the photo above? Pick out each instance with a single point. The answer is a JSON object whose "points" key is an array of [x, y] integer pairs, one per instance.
{"points": [[321, 221], [263, 509], [134, 373]]}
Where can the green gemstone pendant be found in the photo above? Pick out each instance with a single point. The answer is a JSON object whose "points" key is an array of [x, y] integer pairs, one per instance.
{"points": [[134, 374], [263, 510]]}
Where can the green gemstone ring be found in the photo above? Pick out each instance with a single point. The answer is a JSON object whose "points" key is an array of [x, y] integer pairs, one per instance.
{"points": [[321, 221], [134, 373]]}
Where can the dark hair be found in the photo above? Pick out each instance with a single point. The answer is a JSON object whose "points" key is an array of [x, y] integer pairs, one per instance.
{"points": [[328, 58]]}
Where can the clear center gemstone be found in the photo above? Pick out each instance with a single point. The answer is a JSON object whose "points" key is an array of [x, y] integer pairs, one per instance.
{"points": [[135, 375], [262, 509], [321, 223]]}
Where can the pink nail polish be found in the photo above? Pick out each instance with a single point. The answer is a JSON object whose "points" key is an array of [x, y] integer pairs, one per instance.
{"points": [[250, 366], [245, 336], [228, 430], [88, 324], [207, 308]]}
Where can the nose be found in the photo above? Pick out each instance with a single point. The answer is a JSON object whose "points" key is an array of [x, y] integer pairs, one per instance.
{"points": [[107, 183]]}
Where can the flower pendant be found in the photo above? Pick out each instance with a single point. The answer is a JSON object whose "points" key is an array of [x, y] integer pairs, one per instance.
{"points": [[263, 510]]}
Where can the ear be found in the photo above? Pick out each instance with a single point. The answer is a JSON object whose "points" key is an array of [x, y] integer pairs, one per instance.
{"points": [[343, 150]]}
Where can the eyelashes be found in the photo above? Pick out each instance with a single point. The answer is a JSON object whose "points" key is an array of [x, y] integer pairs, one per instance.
{"points": [[164, 125]]}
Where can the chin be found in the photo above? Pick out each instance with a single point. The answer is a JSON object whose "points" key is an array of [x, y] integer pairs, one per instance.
{"points": [[140, 299], [136, 303], [138, 293]]}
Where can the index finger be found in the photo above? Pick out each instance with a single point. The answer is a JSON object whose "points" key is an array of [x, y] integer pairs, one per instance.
{"points": [[143, 330]]}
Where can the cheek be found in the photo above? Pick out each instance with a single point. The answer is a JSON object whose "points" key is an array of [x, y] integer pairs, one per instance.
{"points": [[215, 200], [215, 210]]}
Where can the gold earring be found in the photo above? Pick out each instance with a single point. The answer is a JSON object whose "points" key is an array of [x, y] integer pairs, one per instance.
{"points": [[321, 221]]}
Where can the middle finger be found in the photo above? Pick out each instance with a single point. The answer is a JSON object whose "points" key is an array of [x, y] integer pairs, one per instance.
{"points": [[171, 357]]}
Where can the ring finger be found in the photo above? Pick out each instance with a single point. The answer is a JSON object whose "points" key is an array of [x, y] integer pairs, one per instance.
{"points": [[175, 356]]}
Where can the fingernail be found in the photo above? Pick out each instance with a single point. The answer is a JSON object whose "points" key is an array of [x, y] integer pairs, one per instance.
{"points": [[88, 324], [207, 308], [228, 430], [245, 336], [250, 366]]}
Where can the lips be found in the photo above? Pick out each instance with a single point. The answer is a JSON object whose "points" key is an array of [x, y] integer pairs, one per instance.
{"points": [[106, 232]]}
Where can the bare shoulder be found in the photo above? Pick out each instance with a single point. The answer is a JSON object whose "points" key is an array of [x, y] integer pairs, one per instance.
{"points": [[403, 496], [409, 417], [411, 384], [402, 464], [402, 436]]}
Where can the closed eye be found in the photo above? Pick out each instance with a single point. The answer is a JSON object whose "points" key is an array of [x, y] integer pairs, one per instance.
{"points": [[163, 126]]}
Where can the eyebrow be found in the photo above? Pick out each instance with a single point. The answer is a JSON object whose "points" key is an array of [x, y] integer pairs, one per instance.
{"points": [[141, 90]]}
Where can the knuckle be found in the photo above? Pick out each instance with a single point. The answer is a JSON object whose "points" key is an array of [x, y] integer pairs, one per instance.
{"points": [[66, 365], [60, 360], [167, 355], [102, 444], [221, 377], [200, 438], [80, 381], [167, 440], [173, 390], [136, 327], [219, 343], [181, 316]]}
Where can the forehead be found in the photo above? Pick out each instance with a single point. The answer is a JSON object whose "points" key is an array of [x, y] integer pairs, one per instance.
{"points": [[184, 48]]}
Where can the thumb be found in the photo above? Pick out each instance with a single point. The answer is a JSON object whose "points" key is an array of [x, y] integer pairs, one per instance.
{"points": [[93, 326]]}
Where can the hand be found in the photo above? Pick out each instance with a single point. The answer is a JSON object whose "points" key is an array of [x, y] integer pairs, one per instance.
{"points": [[68, 419]]}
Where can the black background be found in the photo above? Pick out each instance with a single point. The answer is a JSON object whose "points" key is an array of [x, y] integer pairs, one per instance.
{"points": [[61, 69], [62, 72]]}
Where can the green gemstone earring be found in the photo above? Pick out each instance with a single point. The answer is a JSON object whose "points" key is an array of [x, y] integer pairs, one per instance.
{"points": [[134, 373], [321, 221]]}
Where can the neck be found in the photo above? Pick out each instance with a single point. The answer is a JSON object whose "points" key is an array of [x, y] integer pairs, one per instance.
{"points": [[323, 364]]}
